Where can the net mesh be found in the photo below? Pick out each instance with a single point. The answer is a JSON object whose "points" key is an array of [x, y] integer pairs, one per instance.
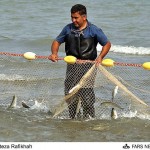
{"points": [[77, 90]]}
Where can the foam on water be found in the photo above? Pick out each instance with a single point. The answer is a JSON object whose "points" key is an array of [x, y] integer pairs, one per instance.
{"points": [[13, 77], [128, 49]]}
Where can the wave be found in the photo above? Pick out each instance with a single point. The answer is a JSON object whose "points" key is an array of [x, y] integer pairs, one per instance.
{"points": [[4, 77], [128, 49], [15, 77]]}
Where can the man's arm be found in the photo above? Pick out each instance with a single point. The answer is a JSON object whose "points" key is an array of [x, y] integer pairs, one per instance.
{"points": [[54, 50], [105, 50]]}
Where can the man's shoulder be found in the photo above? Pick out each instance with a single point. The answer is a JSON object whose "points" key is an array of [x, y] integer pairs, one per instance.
{"points": [[93, 26], [68, 26]]}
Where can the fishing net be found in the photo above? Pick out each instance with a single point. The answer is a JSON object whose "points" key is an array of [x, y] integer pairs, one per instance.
{"points": [[79, 90], [95, 90]]}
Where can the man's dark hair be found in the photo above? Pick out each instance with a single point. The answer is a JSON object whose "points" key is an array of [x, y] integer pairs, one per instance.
{"points": [[79, 8]]}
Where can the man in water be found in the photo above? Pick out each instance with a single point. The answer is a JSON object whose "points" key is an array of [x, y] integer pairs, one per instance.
{"points": [[81, 38]]}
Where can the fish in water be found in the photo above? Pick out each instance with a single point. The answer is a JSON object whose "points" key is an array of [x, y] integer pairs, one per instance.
{"points": [[38, 106], [25, 105], [111, 104], [113, 111], [115, 91], [13, 103], [35, 106], [114, 114]]}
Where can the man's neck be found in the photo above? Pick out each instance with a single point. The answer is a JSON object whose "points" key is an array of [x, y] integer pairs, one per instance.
{"points": [[83, 26]]}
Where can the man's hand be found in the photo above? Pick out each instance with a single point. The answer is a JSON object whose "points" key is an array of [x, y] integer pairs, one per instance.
{"points": [[105, 50], [53, 57], [98, 60], [54, 50]]}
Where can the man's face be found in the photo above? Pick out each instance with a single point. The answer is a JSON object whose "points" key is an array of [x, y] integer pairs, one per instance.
{"points": [[78, 20]]}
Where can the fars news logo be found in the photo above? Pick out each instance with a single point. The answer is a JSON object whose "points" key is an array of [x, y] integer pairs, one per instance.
{"points": [[137, 146], [126, 146]]}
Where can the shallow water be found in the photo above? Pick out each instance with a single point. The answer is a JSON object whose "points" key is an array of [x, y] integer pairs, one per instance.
{"points": [[29, 128]]}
